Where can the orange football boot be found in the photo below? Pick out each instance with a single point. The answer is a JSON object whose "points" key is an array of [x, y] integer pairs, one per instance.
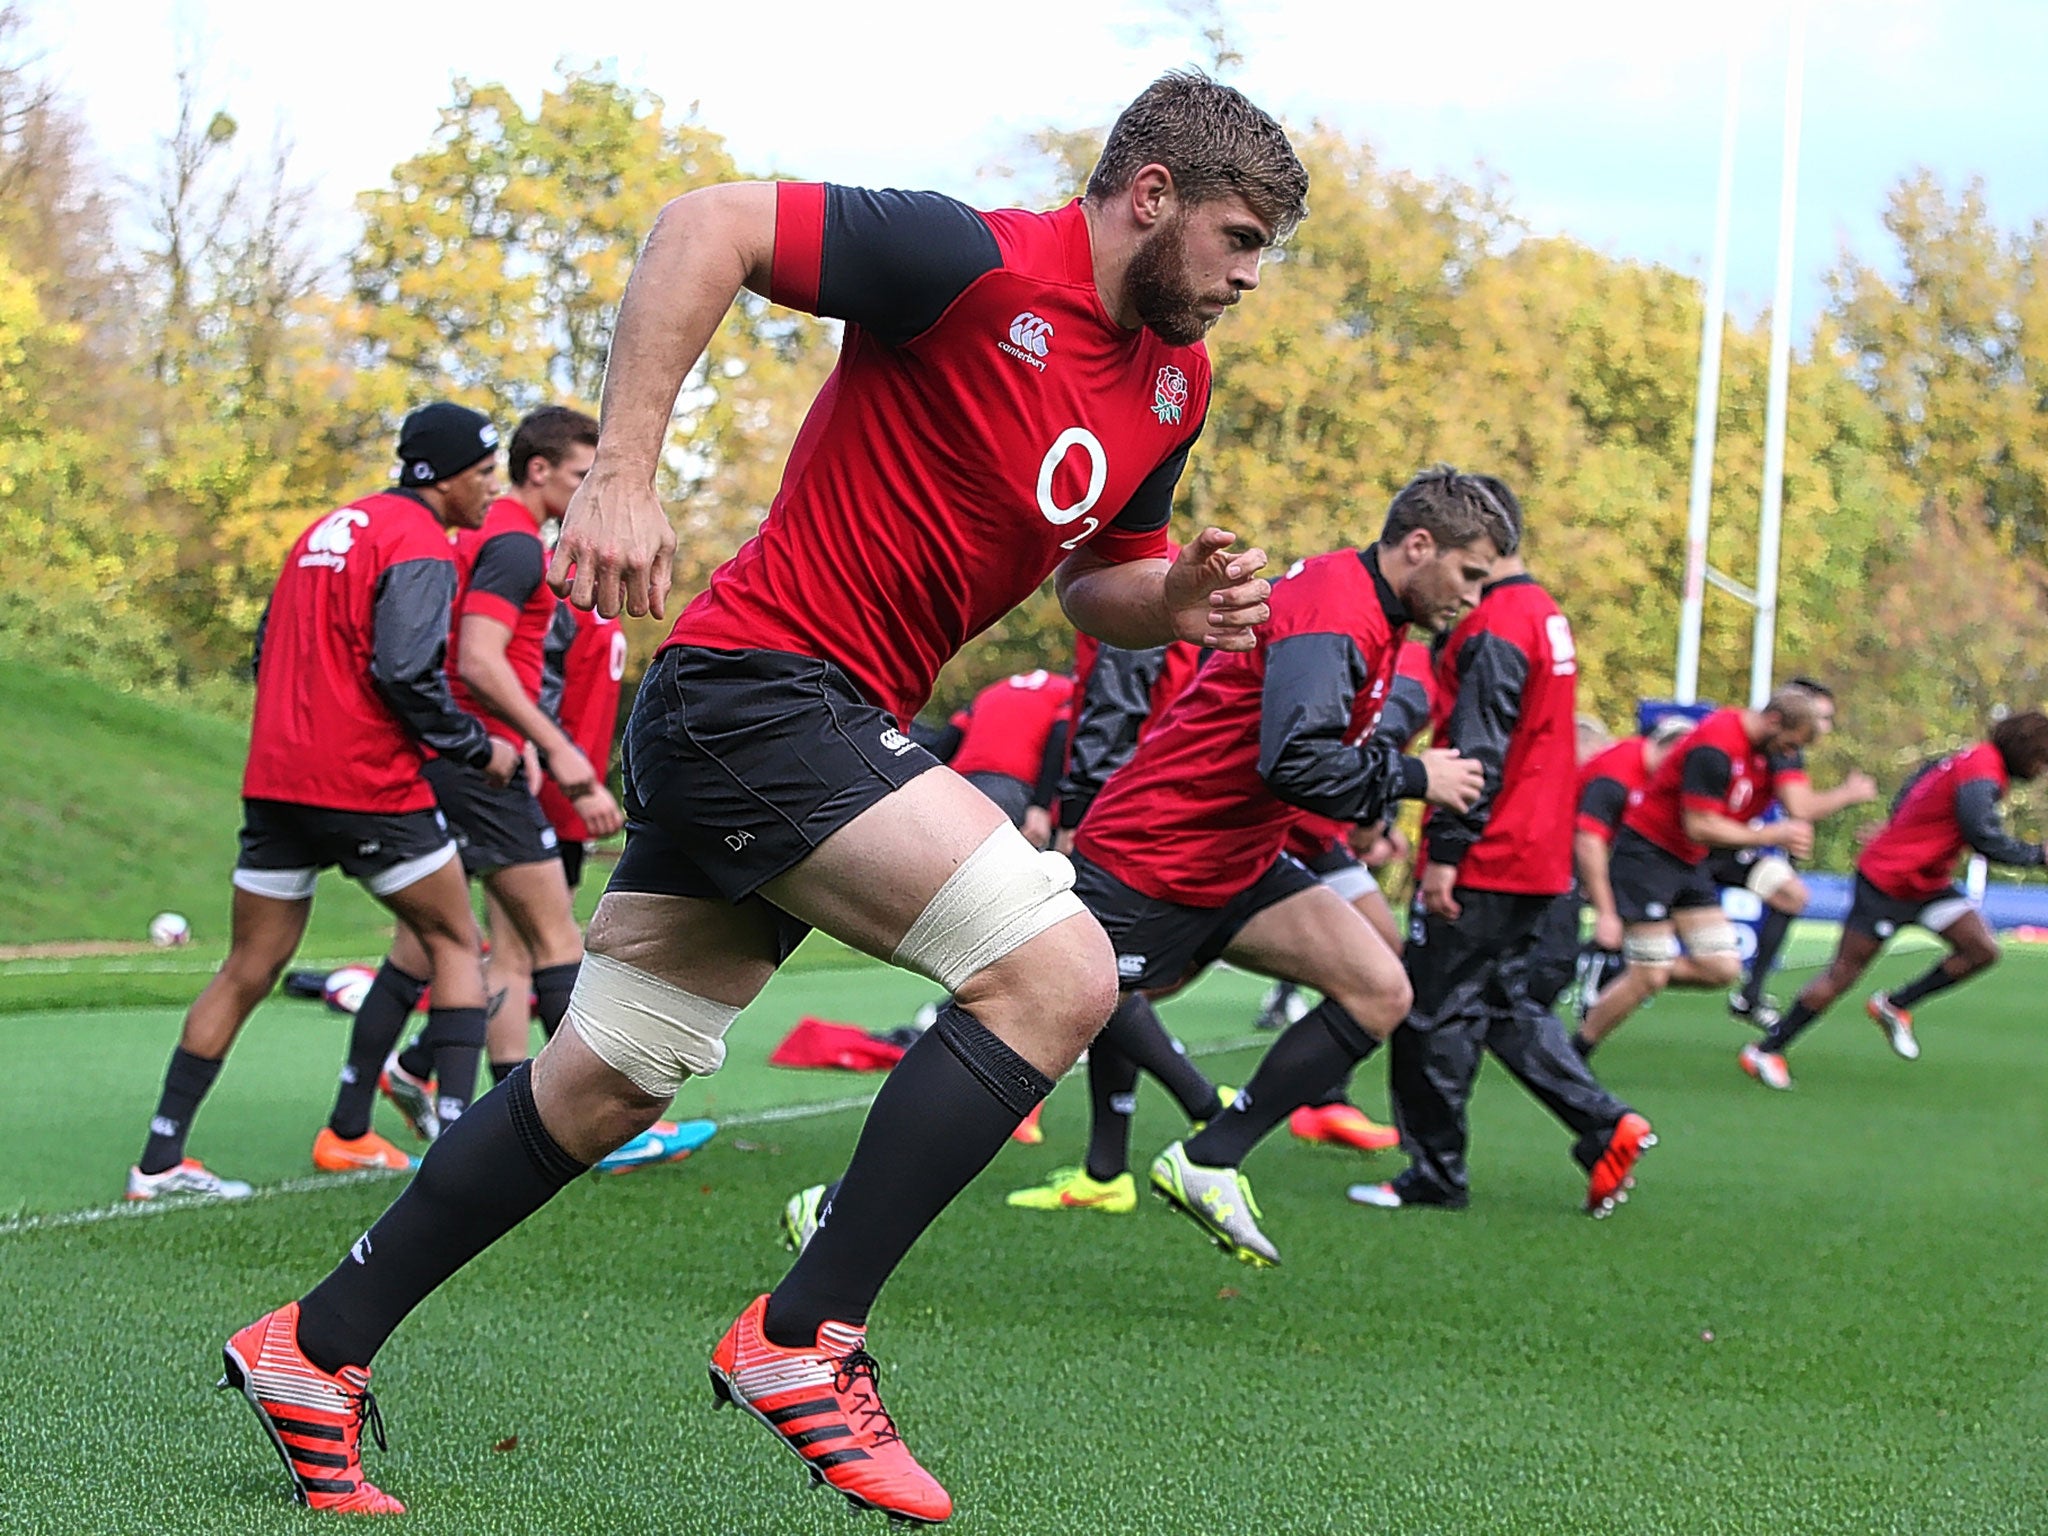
{"points": [[1610, 1182], [332, 1154], [1029, 1131], [313, 1419], [1342, 1125], [822, 1404]]}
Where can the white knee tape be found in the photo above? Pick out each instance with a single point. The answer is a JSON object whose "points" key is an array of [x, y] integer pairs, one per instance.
{"points": [[1770, 875], [1656, 949], [642, 1027], [1003, 895], [1714, 939]]}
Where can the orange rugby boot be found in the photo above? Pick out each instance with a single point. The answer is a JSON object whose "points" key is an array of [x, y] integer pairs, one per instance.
{"points": [[1029, 1131], [333, 1154], [1342, 1125], [1610, 1182], [822, 1404], [314, 1420]]}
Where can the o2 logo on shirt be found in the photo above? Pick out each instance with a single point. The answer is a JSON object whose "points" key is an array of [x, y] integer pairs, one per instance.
{"points": [[1098, 477], [332, 538], [618, 660]]}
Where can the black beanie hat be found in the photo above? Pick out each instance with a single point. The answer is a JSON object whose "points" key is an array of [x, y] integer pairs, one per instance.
{"points": [[441, 440]]}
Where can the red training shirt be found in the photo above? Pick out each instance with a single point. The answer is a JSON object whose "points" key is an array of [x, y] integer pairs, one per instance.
{"points": [[1507, 697], [501, 570], [1605, 784], [593, 666], [1009, 724], [349, 680], [987, 417], [1198, 813], [1913, 856], [1716, 769]]}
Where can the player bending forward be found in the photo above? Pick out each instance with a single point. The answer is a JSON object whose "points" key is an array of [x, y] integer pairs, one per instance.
{"points": [[1016, 394], [1906, 875], [1181, 856]]}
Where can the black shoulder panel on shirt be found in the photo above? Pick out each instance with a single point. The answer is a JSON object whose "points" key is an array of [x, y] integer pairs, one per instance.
{"points": [[511, 566], [893, 261], [1492, 672], [1312, 682], [1604, 800], [1151, 504], [1708, 772], [554, 660]]}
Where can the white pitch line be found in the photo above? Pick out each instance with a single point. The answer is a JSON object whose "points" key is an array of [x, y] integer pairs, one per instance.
{"points": [[778, 1115]]}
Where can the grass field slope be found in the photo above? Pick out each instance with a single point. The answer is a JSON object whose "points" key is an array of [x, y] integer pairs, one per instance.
{"points": [[1821, 1313]]}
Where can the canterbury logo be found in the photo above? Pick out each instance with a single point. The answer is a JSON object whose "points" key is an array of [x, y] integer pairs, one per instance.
{"points": [[1030, 340], [336, 534], [333, 537], [1032, 334]]}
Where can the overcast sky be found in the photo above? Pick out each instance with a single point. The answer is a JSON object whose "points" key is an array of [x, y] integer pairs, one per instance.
{"points": [[1602, 118]]}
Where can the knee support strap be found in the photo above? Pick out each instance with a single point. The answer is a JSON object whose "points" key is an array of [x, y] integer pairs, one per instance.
{"points": [[1769, 876], [644, 1028], [1713, 940], [1003, 895], [1656, 949]]}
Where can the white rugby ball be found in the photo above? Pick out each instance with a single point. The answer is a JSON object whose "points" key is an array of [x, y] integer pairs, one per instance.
{"points": [[167, 930], [347, 987]]}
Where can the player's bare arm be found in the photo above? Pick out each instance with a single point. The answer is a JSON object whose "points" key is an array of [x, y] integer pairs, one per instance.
{"points": [[1211, 596], [1794, 835], [1590, 855], [1803, 801], [616, 543], [487, 673]]}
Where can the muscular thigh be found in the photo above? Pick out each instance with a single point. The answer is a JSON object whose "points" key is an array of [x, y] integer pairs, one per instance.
{"points": [[1317, 939], [709, 948]]}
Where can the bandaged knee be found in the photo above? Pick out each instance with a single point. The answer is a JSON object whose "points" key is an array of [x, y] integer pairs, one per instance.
{"points": [[1769, 876], [1653, 949], [645, 1029], [1714, 940], [1003, 895]]}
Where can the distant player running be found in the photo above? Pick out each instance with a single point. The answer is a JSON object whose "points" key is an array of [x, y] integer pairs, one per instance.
{"points": [[349, 689], [1707, 794], [1016, 395], [1906, 875], [1013, 746]]}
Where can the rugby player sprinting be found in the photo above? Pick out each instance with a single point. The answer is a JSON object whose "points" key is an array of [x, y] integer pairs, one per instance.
{"points": [[1017, 393]]}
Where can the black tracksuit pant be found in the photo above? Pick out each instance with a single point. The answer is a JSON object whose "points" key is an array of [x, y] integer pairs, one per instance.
{"points": [[1471, 995]]}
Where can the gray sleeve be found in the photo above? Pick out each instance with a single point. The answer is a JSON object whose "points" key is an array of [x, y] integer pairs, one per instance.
{"points": [[409, 653], [1491, 674], [1407, 712], [1312, 682], [1977, 815], [1115, 703], [554, 660]]}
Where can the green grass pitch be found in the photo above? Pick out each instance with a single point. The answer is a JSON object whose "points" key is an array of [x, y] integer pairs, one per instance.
{"points": [[1823, 1312]]}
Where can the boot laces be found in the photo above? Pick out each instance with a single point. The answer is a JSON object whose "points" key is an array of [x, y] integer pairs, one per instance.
{"points": [[857, 1367]]}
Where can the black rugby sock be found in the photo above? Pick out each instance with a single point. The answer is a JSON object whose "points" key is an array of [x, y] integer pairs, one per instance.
{"points": [[1787, 1029], [1770, 941], [1135, 1030], [458, 1036], [378, 1024], [488, 1172], [943, 1114], [1936, 979], [1112, 1101], [186, 1082], [1303, 1062], [500, 1070], [552, 986], [1583, 1045]]}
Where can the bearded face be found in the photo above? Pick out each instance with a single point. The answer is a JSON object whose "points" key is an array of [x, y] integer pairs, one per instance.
{"points": [[1168, 302]]}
